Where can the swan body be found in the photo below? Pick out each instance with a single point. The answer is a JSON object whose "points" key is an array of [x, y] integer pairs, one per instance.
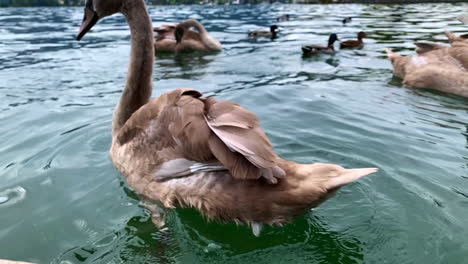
{"points": [[349, 44], [184, 150], [317, 49], [443, 69], [189, 35], [188, 41], [457, 40]]}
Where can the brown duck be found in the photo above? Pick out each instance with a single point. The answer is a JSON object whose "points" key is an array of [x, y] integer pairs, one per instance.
{"points": [[349, 44], [184, 150]]}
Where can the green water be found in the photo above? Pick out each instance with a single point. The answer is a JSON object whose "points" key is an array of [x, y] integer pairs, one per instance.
{"points": [[68, 204]]}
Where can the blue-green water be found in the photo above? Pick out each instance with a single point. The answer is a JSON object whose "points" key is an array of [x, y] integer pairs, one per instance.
{"points": [[69, 205]]}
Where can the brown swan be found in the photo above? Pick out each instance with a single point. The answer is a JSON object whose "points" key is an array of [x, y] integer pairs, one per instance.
{"points": [[189, 35], [184, 150], [443, 69]]}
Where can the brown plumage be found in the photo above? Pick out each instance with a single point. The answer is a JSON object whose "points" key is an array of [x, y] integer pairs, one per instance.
{"points": [[442, 68], [349, 44], [456, 40], [182, 149], [189, 35]]}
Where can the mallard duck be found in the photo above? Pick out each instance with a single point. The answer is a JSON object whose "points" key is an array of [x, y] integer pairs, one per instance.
{"points": [[265, 34], [354, 43], [283, 18], [186, 150], [316, 49], [346, 20]]}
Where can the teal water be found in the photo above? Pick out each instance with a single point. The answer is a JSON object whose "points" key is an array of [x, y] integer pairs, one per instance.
{"points": [[64, 202]]}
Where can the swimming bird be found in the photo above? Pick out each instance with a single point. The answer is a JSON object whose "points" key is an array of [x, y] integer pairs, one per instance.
{"points": [[273, 33], [437, 70], [455, 39], [189, 35], [346, 20], [348, 44], [463, 18], [165, 38], [182, 149], [187, 41], [283, 18], [316, 49]]}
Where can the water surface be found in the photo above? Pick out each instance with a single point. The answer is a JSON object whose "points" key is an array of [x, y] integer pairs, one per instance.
{"points": [[64, 202]]}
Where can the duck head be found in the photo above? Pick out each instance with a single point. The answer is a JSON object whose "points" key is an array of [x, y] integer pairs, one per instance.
{"points": [[96, 10], [333, 37], [361, 35], [274, 29]]}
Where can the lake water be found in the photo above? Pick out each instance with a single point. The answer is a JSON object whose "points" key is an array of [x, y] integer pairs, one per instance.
{"points": [[64, 202]]}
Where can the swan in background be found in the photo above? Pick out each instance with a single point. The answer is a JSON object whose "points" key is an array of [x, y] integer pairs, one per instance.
{"points": [[189, 35], [436, 69], [188, 41], [185, 150]]}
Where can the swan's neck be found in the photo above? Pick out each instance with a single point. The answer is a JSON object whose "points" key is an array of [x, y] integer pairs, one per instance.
{"points": [[207, 40], [200, 28], [137, 91]]}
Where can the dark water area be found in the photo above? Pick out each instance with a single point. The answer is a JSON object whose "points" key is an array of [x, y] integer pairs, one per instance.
{"points": [[62, 201]]}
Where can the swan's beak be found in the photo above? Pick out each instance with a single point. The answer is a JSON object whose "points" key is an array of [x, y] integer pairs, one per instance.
{"points": [[89, 20]]}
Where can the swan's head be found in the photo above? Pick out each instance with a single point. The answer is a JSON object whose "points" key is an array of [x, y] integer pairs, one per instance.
{"points": [[95, 10], [274, 29]]}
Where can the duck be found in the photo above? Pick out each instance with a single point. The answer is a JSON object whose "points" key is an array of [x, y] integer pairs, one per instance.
{"points": [[283, 18], [183, 149], [436, 70], [348, 44], [317, 49], [272, 33], [346, 20], [189, 35]]}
